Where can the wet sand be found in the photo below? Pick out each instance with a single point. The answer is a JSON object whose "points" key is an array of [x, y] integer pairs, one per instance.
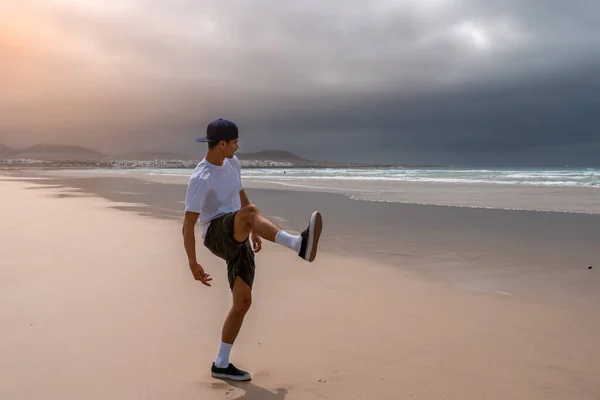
{"points": [[472, 248]]}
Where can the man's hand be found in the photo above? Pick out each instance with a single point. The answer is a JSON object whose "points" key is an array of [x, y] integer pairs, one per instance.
{"points": [[256, 242], [199, 273]]}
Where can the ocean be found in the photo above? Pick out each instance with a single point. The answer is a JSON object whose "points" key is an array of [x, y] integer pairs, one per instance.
{"points": [[567, 177], [571, 190]]}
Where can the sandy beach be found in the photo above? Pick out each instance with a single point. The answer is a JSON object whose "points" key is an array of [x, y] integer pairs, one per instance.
{"points": [[97, 301]]}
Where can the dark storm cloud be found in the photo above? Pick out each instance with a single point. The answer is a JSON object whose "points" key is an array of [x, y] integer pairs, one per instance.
{"points": [[414, 79], [471, 116]]}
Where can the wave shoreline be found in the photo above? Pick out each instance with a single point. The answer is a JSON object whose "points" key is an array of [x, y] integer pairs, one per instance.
{"points": [[586, 178]]}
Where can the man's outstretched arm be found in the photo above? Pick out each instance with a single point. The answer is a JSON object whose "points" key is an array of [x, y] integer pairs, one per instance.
{"points": [[189, 242]]}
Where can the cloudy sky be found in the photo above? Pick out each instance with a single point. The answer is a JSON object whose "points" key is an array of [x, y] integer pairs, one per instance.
{"points": [[457, 82]]}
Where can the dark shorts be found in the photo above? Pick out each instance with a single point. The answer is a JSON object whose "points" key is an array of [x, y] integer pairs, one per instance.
{"points": [[239, 256]]}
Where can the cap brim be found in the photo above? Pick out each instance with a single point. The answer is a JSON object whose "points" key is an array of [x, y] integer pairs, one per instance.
{"points": [[201, 139]]}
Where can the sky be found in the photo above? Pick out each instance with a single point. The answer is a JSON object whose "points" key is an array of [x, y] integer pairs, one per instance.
{"points": [[418, 81]]}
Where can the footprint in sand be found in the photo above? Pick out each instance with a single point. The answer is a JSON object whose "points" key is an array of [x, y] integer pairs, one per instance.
{"points": [[216, 384]]}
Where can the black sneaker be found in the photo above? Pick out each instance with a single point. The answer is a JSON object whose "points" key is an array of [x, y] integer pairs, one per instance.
{"points": [[310, 237], [229, 372]]}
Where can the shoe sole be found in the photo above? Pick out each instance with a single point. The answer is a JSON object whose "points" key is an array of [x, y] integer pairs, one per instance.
{"points": [[314, 233], [230, 377]]}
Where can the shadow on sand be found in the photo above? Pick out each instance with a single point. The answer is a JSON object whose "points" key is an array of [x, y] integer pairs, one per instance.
{"points": [[253, 392]]}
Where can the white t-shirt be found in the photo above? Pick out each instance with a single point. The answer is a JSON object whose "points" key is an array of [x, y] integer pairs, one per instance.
{"points": [[214, 190]]}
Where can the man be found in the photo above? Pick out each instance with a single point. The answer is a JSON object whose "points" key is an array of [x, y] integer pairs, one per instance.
{"points": [[232, 229]]}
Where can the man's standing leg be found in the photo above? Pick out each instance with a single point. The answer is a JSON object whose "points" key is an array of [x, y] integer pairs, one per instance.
{"points": [[242, 300], [240, 274]]}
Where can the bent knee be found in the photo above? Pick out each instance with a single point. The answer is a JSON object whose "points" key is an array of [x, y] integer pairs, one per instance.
{"points": [[250, 211]]}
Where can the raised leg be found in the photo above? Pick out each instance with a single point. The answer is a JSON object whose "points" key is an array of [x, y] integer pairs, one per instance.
{"points": [[248, 219]]}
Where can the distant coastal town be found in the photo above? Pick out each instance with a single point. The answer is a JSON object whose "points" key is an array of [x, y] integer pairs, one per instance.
{"points": [[70, 156], [126, 164]]}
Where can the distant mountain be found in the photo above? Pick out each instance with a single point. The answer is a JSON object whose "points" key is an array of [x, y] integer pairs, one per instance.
{"points": [[58, 152], [269, 155], [159, 155], [78, 155], [6, 151]]}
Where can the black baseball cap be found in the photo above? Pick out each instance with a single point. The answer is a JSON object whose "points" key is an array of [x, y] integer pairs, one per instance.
{"points": [[220, 129]]}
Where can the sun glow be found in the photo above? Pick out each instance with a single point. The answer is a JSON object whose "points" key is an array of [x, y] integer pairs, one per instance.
{"points": [[473, 35]]}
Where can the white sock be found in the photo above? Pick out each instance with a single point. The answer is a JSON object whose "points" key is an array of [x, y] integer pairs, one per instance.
{"points": [[291, 241], [222, 360]]}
